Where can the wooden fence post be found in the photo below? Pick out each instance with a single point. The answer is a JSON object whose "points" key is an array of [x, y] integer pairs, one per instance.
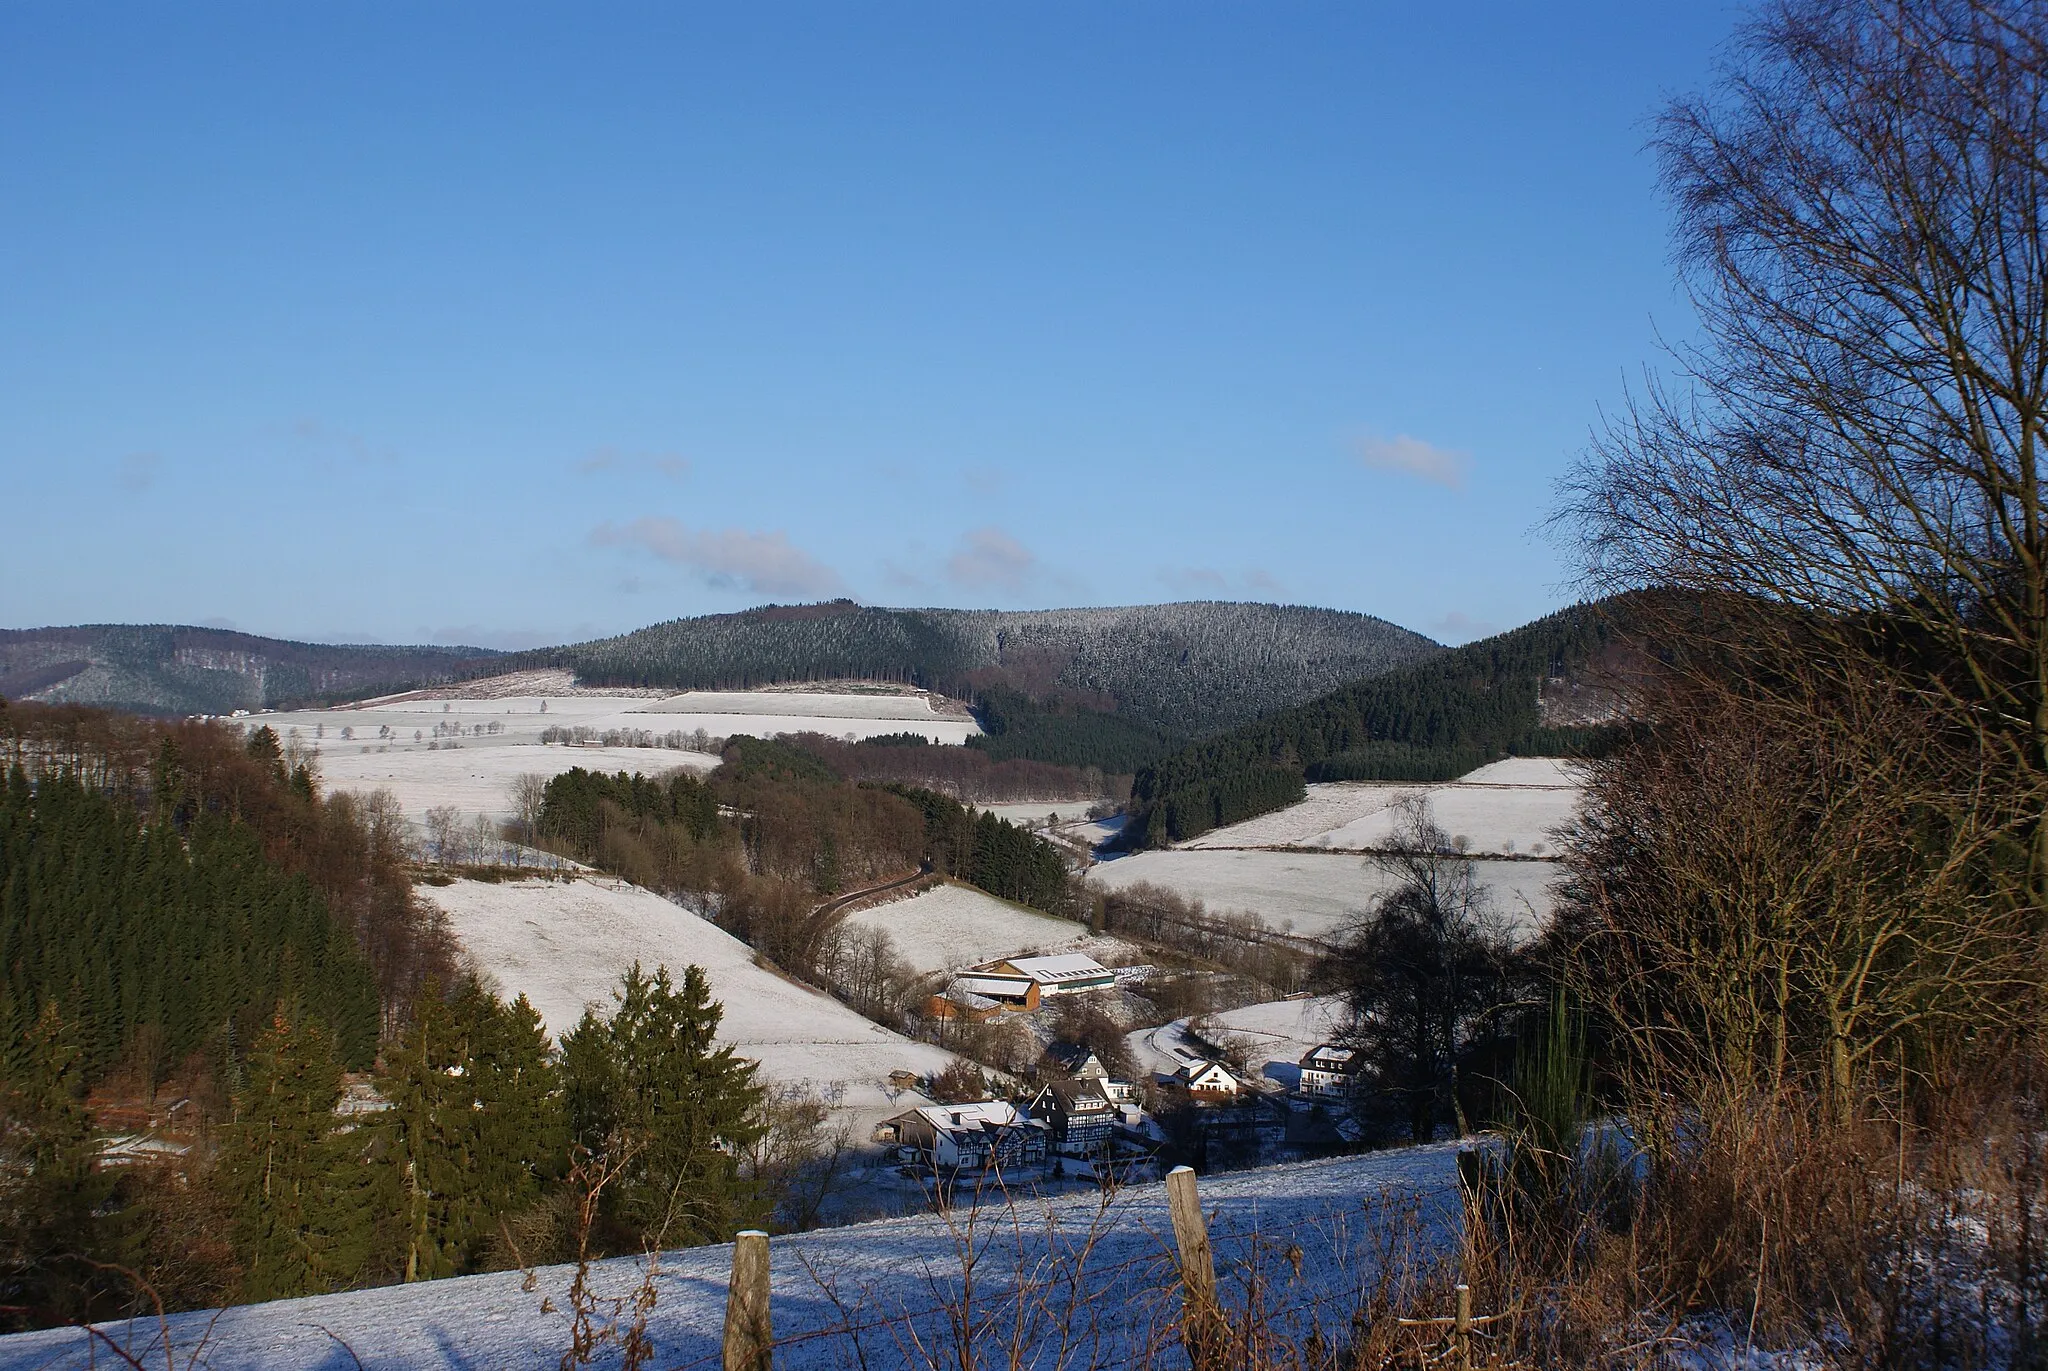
{"points": [[1201, 1316], [748, 1341], [1461, 1330]]}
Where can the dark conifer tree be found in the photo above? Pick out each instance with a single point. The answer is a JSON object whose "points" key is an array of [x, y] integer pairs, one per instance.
{"points": [[651, 1090]]}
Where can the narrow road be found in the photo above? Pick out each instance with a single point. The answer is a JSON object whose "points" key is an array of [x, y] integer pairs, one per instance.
{"points": [[829, 913]]}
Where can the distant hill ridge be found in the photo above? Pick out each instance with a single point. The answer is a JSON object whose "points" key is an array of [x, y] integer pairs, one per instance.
{"points": [[1541, 689], [1185, 668], [179, 669]]}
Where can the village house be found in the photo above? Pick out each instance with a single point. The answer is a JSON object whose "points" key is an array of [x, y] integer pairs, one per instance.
{"points": [[1077, 1061], [967, 1137], [1328, 1070], [1080, 1114], [1083, 1065], [1207, 1081]]}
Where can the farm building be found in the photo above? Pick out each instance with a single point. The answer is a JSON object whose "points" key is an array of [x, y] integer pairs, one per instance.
{"points": [[1067, 974], [967, 1137], [960, 1002]]}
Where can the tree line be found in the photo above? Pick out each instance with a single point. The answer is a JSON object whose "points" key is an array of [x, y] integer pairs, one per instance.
{"points": [[1114, 685]]}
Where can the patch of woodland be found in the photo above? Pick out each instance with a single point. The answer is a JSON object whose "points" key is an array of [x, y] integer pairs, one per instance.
{"points": [[772, 843], [970, 774], [167, 883]]}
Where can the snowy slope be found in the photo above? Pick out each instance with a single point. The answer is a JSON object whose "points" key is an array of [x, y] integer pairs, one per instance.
{"points": [[476, 778], [1313, 893], [954, 926], [564, 945], [1513, 806], [1075, 1282]]}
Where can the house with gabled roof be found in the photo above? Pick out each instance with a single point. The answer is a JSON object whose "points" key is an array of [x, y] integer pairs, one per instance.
{"points": [[1211, 1079]]}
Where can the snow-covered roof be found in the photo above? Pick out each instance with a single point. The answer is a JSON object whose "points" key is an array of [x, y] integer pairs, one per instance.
{"points": [[1197, 1073], [955, 1118], [1329, 1056], [1056, 970], [980, 986]]}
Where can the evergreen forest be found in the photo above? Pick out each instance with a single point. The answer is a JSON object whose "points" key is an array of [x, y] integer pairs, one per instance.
{"points": [[1432, 721]]}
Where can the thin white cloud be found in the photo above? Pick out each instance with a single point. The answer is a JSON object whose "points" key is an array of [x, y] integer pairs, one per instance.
{"points": [[138, 470], [989, 558], [612, 459], [1194, 580], [1259, 581], [728, 558], [1413, 457], [1460, 627], [1202, 581]]}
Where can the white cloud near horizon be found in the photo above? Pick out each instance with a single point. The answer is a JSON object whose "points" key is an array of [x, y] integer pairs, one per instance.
{"points": [[1459, 627], [728, 558], [1413, 457], [613, 459], [989, 558]]}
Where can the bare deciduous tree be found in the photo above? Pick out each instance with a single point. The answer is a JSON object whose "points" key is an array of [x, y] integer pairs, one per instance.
{"points": [[528, 794], [1859, 433]]}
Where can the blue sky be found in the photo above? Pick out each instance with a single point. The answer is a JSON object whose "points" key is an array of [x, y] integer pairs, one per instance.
{"points": [[510, 324]]}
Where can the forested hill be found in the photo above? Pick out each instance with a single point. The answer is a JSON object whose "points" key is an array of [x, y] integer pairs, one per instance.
{"points": [[1185, 669], [1528, 691], [174, 670]]}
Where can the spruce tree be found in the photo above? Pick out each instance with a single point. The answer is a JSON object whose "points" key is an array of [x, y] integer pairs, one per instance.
{"points": [[652, 1091], [475, 1127], [300, 1187], [49, 1189]]}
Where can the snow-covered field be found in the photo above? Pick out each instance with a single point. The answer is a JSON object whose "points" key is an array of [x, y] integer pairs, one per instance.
{"points": [[1274, 1036], [476, 778], [1513, 806], [520, 718], [385, 743], [952, 926], [1311, 893], [1078, 1280], [1035, 812], [564, 945]]}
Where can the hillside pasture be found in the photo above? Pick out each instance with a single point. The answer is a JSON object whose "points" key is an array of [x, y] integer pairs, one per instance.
{"points": [[1077, 1280], [477, 780], [1315, 894], [1512, 807], [1272, 1037], [565, 944], [953, 926]]}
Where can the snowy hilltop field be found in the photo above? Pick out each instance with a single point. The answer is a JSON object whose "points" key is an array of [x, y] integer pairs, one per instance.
{"points": [[1304, 869], [462, 746], [1078, 1281]]}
